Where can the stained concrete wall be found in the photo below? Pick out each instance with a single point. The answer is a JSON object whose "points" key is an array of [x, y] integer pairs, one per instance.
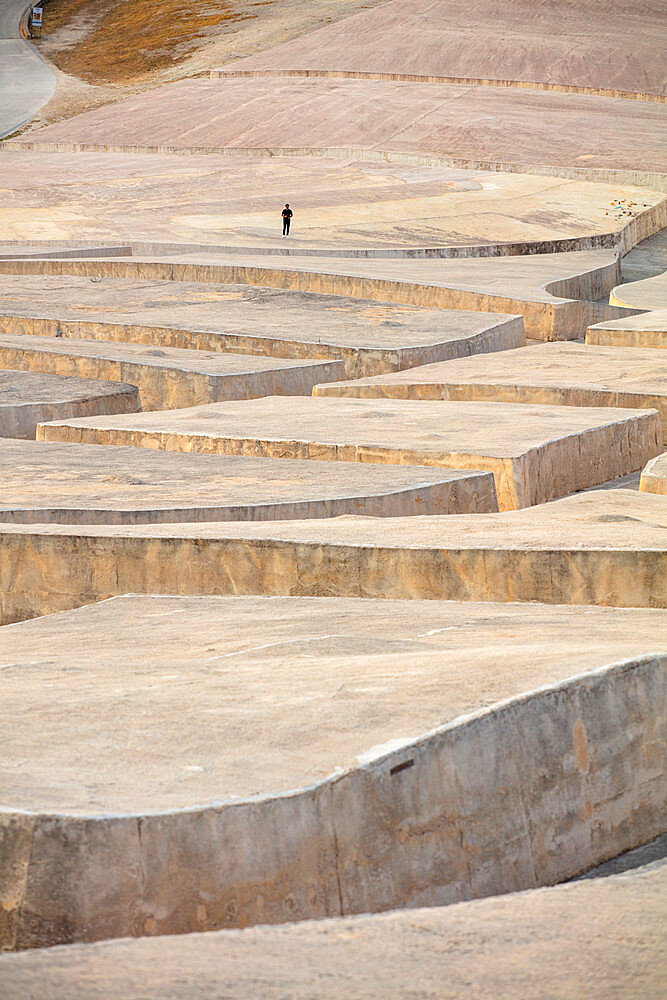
{"points": [[526, 794]]}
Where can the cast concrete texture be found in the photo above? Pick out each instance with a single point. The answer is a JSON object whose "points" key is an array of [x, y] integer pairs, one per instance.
{"points": [[281, 834], [556, 293], [559, 46], [566, 132], [603, 937], [646, 330], [369, 337], [536, 453], [648, 293], [26, 81], [342, 205], [603, 547], [563, 374], [26, 398], [82, 484], [167, 377], [654, 476]]}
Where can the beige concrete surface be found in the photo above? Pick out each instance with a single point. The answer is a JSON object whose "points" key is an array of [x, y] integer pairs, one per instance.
{"points": [[530, 128], [647, 293], [604, 547], [600, 937], [536, 453], [84, 484], [280, 692], [654, 476], [369, 337], [556, 293], [101, 862], [564, 374], [646, 330], [167, 377], [26, 398], [338, 203], [647, 258], [586, 46]]}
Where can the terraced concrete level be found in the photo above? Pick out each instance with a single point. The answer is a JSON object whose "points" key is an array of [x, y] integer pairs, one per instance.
{"points": [[559, 374], [604, 547], [645, 330], [167, 377], [535, 452], [84, 484], [301, 716], [370, 337], [654, 476], [601, 936], [27, 398]]}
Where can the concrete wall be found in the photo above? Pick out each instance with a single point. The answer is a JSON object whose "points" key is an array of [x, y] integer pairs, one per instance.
{"points": [[531, 792], [20, 420]]}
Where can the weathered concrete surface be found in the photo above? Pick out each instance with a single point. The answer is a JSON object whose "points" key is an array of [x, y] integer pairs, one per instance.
{"points": [[26, 398], [563, 374], [370, 337], [82, 484], [647, 293], [340, 204], [646, 330], [109, 849], [26, 80], [536, 453], [167, 377], [600, 937], [559, 46], [654, 476], [605, 547], [556, 293], [452, 120]]}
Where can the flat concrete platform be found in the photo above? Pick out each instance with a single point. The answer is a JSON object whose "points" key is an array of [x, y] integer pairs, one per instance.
{"points": [[646, 293], [556, 293], [84, 484], [26, 398], [645, 330], [606, 547], [302, 716], [450, 120], [536, 453], [563, 374], [370, 337], [557, 46], [654, 476], [168, 377], [599, 937]]}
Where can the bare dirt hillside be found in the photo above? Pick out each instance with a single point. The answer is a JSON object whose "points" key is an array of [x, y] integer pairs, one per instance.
{"points": [[103, 50]]}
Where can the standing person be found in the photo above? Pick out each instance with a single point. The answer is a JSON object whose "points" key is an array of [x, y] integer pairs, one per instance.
{"points": [[287, 218]]}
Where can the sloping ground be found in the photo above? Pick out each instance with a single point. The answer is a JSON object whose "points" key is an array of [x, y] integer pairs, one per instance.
{"points": [[610, 47], [601, 937]]}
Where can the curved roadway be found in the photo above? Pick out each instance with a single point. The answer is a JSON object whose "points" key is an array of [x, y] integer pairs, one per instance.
{"points": [[26, 81]]}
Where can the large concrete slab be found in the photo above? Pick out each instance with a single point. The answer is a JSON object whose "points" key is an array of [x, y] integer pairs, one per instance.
{"points": [[556, 293], [564, 374], [536, 453], [167, 377], [604, 936], [571, 133], [84, 484], [369, 337], [302, 716], [654, 476], [646, 330], [26, 398], [604, 547], [646, 293], [556, 46]]}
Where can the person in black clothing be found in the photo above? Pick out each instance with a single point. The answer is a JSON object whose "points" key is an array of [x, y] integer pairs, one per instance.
{"points": [[287, 218]]}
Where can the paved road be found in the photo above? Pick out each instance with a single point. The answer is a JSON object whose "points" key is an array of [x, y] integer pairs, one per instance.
{"points": [[26, 81]]}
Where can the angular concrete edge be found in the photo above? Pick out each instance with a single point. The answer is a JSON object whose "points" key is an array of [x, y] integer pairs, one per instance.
{"points": [[654, 476], [563, 318], [20, 420], [455, 815]]}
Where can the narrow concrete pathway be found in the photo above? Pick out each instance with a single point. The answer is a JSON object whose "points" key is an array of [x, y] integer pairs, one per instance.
{"points": [[26, 81]]}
